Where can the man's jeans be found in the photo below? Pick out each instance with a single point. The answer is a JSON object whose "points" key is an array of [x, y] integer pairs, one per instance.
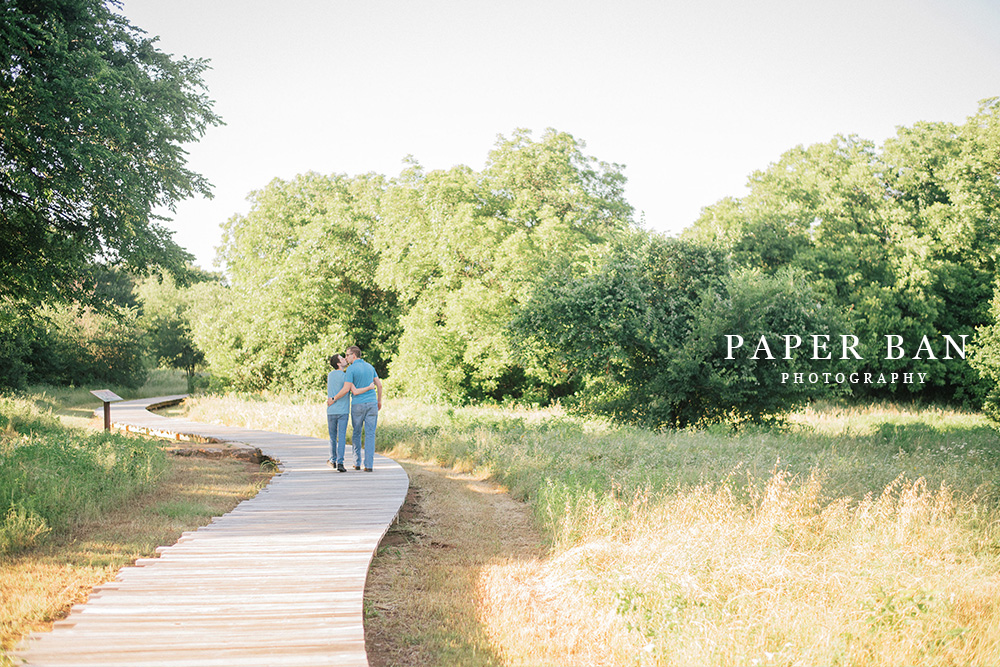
{"points": [[337, 425], [364, 415]]}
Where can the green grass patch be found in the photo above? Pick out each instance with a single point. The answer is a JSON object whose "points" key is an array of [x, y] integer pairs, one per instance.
{"points": [[53, 476], [556, 461], [181, 509]]}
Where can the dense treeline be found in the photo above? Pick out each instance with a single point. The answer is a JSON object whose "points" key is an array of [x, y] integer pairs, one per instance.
{"points": [[423, 271], [91, 136], [527, 280], [644, 337], [903, 239], [137, 323]]}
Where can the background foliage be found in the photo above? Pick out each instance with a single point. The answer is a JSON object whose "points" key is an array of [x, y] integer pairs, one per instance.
{"points": [[902, 239], [526, 280], [301, 285], [94, 116], [465, 249], [644, 335]]}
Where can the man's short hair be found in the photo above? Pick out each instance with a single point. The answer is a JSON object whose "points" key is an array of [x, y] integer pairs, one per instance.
{"points": [[355, 350]]}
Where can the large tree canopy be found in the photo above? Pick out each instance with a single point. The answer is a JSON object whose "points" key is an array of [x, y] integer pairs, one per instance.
{"points": [[301, 267], [642, 335], [464, 248], [92, 120], [422, 271], [903, 237]]}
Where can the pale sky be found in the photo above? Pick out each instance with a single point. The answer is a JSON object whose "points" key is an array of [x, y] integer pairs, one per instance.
{"points": [[690, 95]]}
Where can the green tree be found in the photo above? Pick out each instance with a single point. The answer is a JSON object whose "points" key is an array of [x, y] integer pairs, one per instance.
{"points": [[79, 345], [301, 285], [92, 120], [463, 249], [75, 344], [985, 358], [903, 238], [643, 335], [166, 321], [711, 387], [17, 332], [973, 231]]}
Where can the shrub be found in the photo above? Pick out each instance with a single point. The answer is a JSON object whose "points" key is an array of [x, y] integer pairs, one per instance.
{"points": [[645, 335]]}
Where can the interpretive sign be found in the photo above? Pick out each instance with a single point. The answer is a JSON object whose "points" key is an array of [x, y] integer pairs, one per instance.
{"points": [[108, 397]]}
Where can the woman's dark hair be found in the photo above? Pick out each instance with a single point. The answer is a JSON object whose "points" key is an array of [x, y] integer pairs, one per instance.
{"points": [[335, 359]]}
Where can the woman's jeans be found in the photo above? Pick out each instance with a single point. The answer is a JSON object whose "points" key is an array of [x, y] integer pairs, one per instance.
{"points": [[337, 425], [364, 415]]}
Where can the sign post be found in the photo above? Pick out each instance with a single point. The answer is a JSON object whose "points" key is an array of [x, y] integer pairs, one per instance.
{"points": [[108, 397]]}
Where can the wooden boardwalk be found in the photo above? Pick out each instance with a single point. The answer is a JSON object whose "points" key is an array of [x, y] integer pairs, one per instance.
{"points": [[277, 581]]}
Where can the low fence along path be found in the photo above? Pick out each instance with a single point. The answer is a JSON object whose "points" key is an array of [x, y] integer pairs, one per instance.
{"points": [[277, 581]]}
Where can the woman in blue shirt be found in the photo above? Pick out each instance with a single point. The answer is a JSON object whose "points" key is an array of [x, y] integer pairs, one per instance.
{"points": [[338, 410]]}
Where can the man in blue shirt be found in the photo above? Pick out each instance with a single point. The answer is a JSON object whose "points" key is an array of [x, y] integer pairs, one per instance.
{"points": [[364, 406]]}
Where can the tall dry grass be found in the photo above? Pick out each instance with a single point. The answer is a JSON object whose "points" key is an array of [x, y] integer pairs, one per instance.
{"points": [[284, 413], [857, 536], [703, 577]]}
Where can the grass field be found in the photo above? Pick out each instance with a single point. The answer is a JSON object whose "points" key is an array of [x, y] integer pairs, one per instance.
{"points": [[855, 536]]}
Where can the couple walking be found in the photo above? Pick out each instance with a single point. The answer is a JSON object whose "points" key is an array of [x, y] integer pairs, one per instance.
{"points": [[352, 375]]}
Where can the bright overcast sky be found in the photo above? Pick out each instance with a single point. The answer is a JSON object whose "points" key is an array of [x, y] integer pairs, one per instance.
{"points": [[690, 95]]}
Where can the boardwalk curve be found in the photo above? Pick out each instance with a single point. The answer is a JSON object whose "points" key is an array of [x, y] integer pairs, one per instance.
{"points": [[279, 580]]}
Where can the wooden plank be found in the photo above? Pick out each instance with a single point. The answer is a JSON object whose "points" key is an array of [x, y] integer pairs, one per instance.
{"points": [[343, 653], [277, 581]]}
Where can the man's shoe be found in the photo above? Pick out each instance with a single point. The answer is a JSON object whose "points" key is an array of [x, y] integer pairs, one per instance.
{"points": [[331, 464], [341, 468], [368, 470], [357, 467]]}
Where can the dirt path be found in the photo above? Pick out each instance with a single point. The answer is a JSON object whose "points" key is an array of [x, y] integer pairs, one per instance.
{"points": [[423, 599]]}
